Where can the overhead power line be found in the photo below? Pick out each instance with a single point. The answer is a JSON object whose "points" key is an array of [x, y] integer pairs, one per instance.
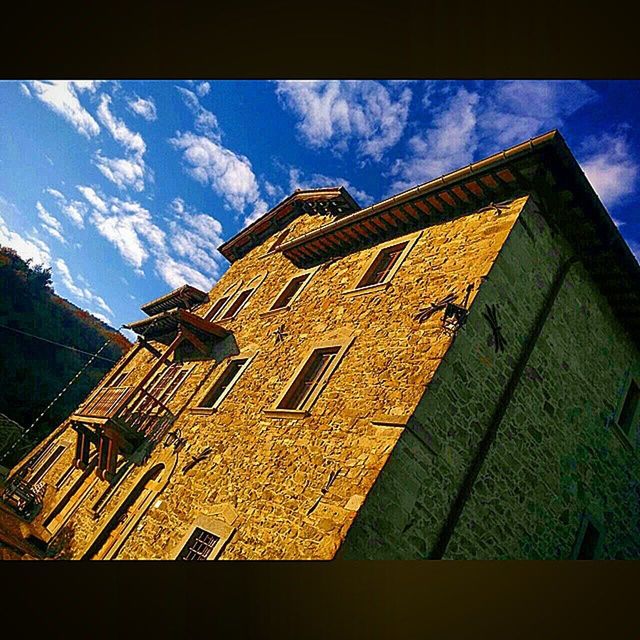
{"points": [[58, 344]]}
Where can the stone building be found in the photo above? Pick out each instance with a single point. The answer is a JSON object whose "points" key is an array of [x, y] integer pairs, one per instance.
{"points": [[450, 373]]}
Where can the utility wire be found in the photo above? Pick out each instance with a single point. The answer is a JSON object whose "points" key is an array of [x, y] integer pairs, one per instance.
{"points": [[65, 346], [33, 424]]}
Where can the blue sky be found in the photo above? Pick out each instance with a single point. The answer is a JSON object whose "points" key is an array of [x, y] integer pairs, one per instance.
{"points": [[126, 188]]}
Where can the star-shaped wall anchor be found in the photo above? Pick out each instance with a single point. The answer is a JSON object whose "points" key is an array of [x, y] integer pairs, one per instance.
{"points": [[280, 334]]}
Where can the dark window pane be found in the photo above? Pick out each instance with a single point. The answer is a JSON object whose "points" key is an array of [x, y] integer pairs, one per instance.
{"points": [[213, 312], [382, 265], [232, 370], [286, 296], [309, 378], [629, 409], [199, 546], [49, 462], [236, 304], [589, 543]]}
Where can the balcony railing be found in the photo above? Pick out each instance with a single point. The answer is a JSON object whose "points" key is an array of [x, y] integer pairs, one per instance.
{"points": [[23, 496], [136, 411]]}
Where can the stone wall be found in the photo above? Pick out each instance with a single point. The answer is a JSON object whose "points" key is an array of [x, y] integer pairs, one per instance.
{"points": [[557, 453], [266, 476]]}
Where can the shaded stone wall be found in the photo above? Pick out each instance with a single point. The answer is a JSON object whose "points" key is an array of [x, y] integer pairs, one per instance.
{"points": [[263, 474], [557, 453]]}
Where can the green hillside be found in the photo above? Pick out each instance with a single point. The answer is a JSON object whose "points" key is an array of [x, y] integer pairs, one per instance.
{"points": [[32, 371]]}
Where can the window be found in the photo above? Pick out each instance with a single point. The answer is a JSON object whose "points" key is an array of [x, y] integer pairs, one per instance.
{"points": [[216, 308], [627, 417], [199, 545], [237, 304], [224, 383], [289, 292], [589, 540], [165, 386], [119, 379], [48, 463], [381, 267], [309, 379]]}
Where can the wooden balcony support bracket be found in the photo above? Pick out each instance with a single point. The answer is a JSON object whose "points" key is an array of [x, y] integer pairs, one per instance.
{"points": [[194, 340], [142, 342]]}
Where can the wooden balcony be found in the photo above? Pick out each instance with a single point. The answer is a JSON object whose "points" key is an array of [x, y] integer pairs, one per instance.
{"points": [[127, 415]]}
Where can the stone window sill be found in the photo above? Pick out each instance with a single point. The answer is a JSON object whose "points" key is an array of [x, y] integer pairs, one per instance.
{"points": [[271, 312], [203, 411], [623, 437], [285, 413], [372, 288], [383, 420]]}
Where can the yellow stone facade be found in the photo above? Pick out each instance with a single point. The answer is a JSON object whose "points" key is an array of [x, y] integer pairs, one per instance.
{"points": [[275, 486]]}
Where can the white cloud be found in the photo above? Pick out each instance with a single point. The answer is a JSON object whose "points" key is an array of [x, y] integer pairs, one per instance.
{"points": [[62, 98], [123, 172], [29, 248], [196, 237], [317, 180], [144, 107], [230, 175], [187, 253], [50, 223], [75, 210], [205, 122], [131, 141], [25, 90], [330, 113], [84, 293], [203, 88], [449, 143], [610, 167], [519, 109], [93, 198], [466, 124]]}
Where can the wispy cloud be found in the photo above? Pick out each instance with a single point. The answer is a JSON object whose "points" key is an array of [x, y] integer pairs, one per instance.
{"points": [[229, 174], [83, 293], [75, 210], [123, 172], [466, 124], [144, 107], [50, 223], [610, 166], [205, 122], [519, 109], [62, 98], [28, 247], [187, 253], [203, 88], [450, 142], [336, 112], [130, 140]]}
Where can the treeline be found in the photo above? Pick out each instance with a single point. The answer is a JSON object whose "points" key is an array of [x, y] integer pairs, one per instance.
{"points": [[33, 372]]}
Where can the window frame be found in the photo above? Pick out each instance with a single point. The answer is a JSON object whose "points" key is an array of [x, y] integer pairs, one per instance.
{"points": [[356, 290], [248, 356], [259, 279], [229, 293], [629, 439], [585, 520], [309, 273], [342, 343], [211, 525]]}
